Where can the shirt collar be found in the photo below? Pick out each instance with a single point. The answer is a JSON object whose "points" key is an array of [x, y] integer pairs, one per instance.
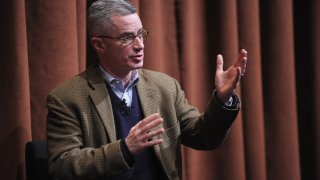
{"points": [[112, 80]]}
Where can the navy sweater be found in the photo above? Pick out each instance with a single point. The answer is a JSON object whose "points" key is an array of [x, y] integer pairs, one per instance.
{"points": [[145, 165]]}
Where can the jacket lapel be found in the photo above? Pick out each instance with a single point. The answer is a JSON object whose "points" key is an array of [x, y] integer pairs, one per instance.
{"points": [[101, 99], [147, 95]]}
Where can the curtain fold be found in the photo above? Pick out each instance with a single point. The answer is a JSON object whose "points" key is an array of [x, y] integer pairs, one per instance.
{"points": [[162, 38], [316, 88], [275, 136], [252, 91], [205, 35], [81, 15], [53, 52], [307, 42], [15, 110], [280, 104]]}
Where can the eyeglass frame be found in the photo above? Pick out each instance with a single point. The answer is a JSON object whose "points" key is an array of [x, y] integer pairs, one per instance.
{"points": [[122, 38]]}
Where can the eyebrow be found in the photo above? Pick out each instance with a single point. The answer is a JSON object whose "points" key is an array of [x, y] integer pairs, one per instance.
{"points": [[130, 33]]}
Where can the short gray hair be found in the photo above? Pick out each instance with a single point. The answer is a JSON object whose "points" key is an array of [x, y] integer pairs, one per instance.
{"points": [[101, 11]]}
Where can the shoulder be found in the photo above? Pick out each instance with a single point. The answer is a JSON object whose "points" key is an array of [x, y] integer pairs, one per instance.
{"points": [[77, 85], [70, 84], [159, 82], [157, 78]]}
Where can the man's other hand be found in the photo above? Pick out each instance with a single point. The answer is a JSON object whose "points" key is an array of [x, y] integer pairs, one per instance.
{"points": [[139, 137]]}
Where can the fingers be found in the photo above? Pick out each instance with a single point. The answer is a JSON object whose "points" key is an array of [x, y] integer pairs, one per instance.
{"points": [[243, 66], [140, 135], [149, 119], [149, 123], [219, 63], [242, 61], [153, 143], [151, 134], [237, 78], [243, 53]]}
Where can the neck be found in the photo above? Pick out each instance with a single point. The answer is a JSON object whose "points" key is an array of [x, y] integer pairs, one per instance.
{"points": [[124, 77]]}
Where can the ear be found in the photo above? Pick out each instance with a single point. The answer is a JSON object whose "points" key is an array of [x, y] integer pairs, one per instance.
{"points": [[97, 44]]}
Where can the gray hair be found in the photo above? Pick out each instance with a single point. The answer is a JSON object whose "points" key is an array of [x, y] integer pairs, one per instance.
{"points": [[101, 11]]}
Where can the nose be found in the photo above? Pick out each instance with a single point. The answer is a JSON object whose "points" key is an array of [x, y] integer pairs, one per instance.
{"points": [[138, 44]]}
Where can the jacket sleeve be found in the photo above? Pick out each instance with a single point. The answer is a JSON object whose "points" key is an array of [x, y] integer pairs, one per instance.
{"points": [[208, 130], [68, 158]]}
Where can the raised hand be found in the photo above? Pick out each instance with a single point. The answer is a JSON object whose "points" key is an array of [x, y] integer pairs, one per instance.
{"points": [[139, 137], [227, 81]]}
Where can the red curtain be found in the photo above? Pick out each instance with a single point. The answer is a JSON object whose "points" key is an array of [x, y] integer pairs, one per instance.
{"points": [[275, 137]]}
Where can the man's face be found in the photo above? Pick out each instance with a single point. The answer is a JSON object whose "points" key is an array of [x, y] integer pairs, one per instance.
{"points": [[120, 58]]}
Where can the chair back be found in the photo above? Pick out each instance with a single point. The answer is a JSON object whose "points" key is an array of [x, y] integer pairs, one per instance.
{"points": [[36, 155]]}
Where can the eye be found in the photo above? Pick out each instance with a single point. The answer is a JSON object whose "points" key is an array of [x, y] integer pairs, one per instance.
{"points": [[140, 35], [127, 38]]}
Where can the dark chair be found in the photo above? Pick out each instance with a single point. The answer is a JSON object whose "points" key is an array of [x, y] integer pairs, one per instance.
{"points": [[36, 160]]}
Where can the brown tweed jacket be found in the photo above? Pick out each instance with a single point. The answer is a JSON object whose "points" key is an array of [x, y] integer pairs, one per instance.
{"points": [[81, 133]]}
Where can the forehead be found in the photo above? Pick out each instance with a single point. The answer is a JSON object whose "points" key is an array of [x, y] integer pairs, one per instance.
{"points": [[126, 23]]}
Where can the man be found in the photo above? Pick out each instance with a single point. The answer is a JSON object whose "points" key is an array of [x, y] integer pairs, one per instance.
{"points": [[119, 121]]}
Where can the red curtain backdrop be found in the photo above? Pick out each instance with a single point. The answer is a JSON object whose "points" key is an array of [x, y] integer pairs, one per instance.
{"points": [[275, 136]]}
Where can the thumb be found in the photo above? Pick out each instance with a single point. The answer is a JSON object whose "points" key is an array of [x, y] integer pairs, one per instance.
{"points": [[219, 63]]}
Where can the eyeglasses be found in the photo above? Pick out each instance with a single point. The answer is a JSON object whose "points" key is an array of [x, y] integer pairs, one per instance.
{"points": [[128, 38]]}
